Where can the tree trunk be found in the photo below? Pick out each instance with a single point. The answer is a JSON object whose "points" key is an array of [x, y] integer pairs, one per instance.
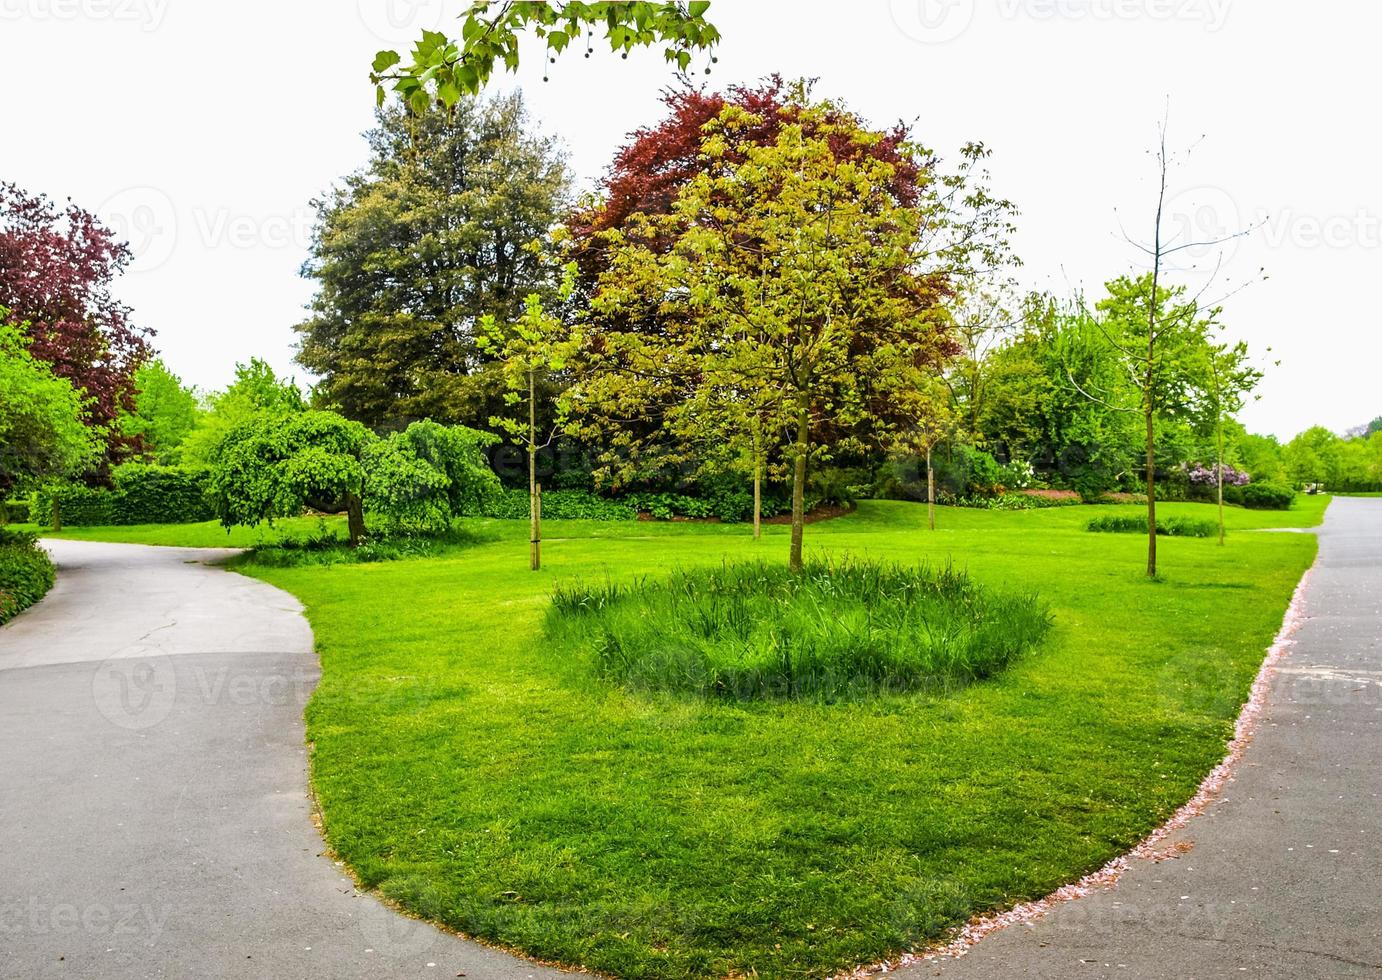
{"points": [[1151, 484], [534, 515], [757, 499], [355, 518], [1220, 434], [930, 491], [534, 490], [799, 482]]}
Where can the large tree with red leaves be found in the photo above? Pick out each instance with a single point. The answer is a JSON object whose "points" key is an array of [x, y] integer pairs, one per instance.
{"points": [[57, 264], [659, 160]]}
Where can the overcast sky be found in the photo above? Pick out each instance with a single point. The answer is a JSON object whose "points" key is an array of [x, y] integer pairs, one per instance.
{"points": [[203, 130]]}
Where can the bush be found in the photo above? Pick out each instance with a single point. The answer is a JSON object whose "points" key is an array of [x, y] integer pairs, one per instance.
{"points": [[576, 505], [26, 573], [1013, 501], [160, 495], [418, 479], [837, 629], [141, 495], [15, 512], [1172, 527], [78, 506], [326, 547], [1268, 496]]}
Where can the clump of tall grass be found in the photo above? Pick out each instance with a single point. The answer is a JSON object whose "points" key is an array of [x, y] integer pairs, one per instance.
{"points": [[1173, 527], [838, 629]]}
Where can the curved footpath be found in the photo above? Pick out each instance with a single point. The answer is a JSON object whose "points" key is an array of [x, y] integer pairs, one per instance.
{"points": [[154, 819], [1283, 875]]}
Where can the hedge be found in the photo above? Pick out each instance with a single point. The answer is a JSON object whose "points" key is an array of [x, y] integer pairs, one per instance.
{"points": [[1267, 496], [26, 573], [141, 495], [560, 505]]}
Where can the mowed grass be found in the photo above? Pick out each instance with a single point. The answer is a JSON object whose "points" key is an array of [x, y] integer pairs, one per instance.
{"points": [[465, 771]]}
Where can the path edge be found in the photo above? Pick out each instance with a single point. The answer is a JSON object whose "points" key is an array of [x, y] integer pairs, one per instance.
{"points": [[1106, 877]]}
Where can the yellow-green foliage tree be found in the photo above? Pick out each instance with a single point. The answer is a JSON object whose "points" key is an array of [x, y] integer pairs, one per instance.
{"points": [[794, 273], [535, 346]]}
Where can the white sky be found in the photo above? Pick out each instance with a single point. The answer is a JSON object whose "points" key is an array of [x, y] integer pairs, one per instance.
{"points": [[204, 129]]}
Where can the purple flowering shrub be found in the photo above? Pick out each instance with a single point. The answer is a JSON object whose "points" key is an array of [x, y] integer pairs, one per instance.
{"points": [[1208, 476]]}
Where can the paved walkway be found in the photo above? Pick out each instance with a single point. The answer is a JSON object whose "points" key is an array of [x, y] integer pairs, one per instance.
{"points": [[1285, 876], [154, 820]]}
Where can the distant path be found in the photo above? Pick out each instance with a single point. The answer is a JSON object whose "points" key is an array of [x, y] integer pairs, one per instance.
{"points": [[1285, 876], [154, 817]]}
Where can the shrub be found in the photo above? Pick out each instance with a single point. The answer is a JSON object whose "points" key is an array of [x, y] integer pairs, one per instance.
{"points": [[1172, 527], [15, 512], [838, 629], [160, 495], [418, 479], [141, 495], [1268, 496], [1014, 501], [836, 487], [559, 505], [26, 573], [325, 547], [78, 505]]}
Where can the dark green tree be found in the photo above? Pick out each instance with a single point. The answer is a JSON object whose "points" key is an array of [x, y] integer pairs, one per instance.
{"points": [[437, 231]]}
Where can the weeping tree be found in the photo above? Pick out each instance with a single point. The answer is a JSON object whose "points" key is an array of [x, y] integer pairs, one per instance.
{"points": [[270, 468]]}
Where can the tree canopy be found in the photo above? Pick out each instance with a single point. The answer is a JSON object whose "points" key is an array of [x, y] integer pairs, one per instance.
{"points": [[43, 425], [435, 233], [445, 70], [789, 267], [164, 413], [57, 266]]}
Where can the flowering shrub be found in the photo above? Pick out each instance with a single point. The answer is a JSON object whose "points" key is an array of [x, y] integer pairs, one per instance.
{"points": [[1208, 476]]}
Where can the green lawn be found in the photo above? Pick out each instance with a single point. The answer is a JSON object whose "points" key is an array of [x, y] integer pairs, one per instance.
{"points": [[466, 775]]}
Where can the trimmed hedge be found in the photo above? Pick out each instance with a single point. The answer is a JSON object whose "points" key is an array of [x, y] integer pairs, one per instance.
{"points": [[142, 495], [560, 505], [16, 512], [26, 573], [1267, 496], [1171, 527]]}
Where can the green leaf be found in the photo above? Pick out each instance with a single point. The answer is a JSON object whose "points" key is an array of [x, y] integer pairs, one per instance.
{"points": [[385, 60]]}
